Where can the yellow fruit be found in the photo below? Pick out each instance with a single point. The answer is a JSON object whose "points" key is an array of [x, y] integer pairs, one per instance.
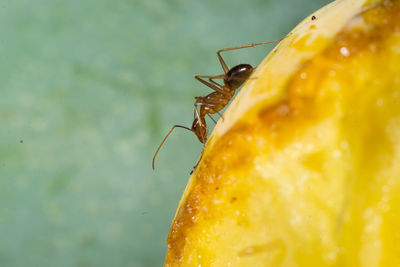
{"points": [[304, 170]]}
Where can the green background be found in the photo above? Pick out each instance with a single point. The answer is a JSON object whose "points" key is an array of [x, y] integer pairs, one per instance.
{"points": [[88, 90]]}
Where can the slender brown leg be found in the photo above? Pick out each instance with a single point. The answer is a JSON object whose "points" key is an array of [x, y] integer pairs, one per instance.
{"points": [[222, 117], [198, 161], [165, 138], [216, 84], [217, 87], [222, 61], [246, 46], [210, 102], [212, 118]]}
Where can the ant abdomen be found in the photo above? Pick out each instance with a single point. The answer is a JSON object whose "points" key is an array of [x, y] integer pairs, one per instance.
{"points": [[238, 75]]}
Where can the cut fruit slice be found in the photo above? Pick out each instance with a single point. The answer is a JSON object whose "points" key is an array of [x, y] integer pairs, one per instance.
{"points": [[304, 170]]}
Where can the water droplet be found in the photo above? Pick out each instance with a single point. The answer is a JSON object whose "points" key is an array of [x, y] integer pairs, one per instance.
{"points": [[344, 51]]}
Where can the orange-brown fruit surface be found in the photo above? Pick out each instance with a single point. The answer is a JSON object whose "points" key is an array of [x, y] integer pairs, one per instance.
{"points": [[304, 170]]}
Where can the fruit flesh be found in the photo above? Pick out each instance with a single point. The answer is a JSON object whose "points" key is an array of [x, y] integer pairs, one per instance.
{"points": [[305, 168]]}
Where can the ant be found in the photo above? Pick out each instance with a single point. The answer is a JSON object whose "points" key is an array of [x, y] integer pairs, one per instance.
{"points": [[214, 102]]}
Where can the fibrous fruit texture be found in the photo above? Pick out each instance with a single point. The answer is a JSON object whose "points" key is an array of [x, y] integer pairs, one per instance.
{"points": [[304, 170]]}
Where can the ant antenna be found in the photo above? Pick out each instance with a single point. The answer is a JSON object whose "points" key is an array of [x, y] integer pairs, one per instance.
{"points": [[165, 138]]}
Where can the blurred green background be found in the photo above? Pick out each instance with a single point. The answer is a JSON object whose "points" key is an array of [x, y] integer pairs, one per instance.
{"points": [[88, 91]]}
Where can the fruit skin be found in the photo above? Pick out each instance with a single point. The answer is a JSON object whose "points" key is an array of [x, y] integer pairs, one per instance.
{"points": [[305, 168]]}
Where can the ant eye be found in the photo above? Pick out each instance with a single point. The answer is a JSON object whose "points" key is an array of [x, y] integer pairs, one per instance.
{"points": [[194, 125]]}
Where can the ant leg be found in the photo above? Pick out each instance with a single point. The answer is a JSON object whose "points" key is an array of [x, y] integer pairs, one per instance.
{"points": [[222, 61], [212, 118], [200, 103], [214, 82], [196, 112], [246, 46], [211, 79], [198, 161], [165, 138], [215, 86], [211, 103], [222, 117]]}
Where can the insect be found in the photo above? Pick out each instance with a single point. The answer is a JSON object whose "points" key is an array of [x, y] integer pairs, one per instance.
{"points": [[214, 102]]}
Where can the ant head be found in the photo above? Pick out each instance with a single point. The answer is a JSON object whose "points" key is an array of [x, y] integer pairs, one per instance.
{"points": [[200, 130], [237, 75]]}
